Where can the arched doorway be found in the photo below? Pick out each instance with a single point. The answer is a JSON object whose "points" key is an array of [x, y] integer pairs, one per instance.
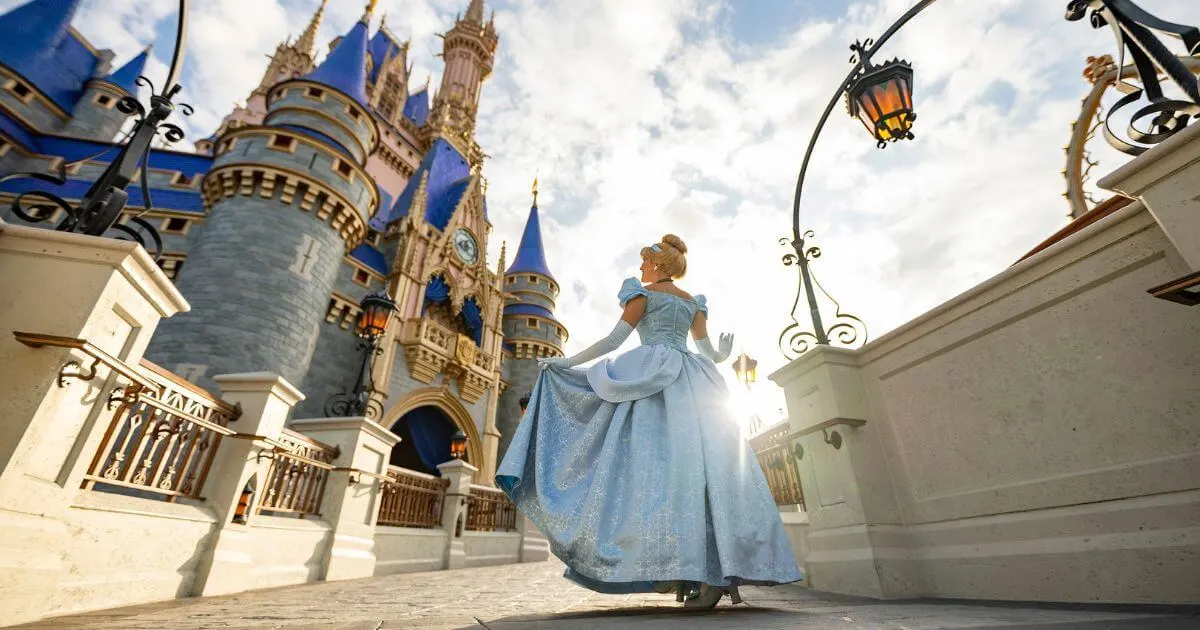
{"points": [[425, 434]]}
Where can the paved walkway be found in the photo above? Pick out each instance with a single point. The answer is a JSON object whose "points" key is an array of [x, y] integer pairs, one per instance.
{"points": [[536, 596]]}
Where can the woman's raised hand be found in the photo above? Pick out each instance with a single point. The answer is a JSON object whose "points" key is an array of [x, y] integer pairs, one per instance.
{"points": [[726, 344]]}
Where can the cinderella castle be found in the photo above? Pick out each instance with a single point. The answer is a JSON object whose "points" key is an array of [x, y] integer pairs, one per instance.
{"points": [[335, 180]]}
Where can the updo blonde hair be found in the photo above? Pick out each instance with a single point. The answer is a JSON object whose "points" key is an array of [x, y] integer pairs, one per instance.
{"points": [[670, 254]]}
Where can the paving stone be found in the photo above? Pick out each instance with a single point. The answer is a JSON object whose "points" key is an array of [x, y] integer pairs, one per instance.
{"points": [[535, 596]]}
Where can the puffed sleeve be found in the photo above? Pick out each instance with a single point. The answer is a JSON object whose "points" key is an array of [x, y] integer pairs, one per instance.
{"points": [[703, 303], [630, 289]]}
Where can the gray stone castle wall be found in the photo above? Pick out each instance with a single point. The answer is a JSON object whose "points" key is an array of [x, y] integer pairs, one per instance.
{"points": [[335, 361], [258, 280], [36, 112], [353, 133], [253, 147], [521, 375], [94, 121]]}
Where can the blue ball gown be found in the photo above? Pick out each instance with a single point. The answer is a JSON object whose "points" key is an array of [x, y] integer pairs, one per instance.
{"points": [[637, 473]]}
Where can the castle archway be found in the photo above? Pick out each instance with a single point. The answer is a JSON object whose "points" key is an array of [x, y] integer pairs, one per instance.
{"points": [[425, 419]]}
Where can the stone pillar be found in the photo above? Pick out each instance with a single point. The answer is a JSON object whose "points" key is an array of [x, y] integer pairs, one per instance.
{"points": [[107, 292], [1167, 180], [266, 401], [454, 510], [534, 546], [351, 501], [856, 536]]}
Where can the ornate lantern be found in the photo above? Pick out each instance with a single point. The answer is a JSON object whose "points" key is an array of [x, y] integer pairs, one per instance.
{"points": [[377, 308], [746, 369], [458, 445], [881, 97]]}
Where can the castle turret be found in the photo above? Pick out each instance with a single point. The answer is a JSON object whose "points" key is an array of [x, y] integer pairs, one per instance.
{"points": [[531, 330], [469, 50], [287, 200], [96, 115]]}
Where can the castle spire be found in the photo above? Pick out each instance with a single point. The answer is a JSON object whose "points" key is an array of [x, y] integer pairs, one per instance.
{"points": [[345, 69], [308, 41], [531, 256], [127, 75], [475, 12]]}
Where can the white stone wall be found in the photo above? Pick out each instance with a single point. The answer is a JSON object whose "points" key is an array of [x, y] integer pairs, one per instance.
{"points": [[1036, 438], [488, 548], [127, 550], [288, 550], [408, 549]]}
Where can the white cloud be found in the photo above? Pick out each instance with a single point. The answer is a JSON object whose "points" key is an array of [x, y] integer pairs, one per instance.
{"points": [[652, 117]]}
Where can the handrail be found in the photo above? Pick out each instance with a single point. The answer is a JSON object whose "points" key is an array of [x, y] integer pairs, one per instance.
{"points": [[158, 370], [853, 423], [38, 340]]}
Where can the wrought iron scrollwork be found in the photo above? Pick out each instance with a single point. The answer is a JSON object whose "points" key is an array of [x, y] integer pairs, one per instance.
{"points": [[99, 212], [846, 330], [1133, 28], [360, 401]]}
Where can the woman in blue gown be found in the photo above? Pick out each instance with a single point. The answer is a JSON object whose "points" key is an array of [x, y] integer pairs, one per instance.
{"points": [[634, 468]]}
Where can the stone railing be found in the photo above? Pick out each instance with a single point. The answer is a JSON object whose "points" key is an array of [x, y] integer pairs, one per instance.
{"points": [[780, 464], [411, 499], [431, 349], [296, 481], [161, 442], [490, 510]]}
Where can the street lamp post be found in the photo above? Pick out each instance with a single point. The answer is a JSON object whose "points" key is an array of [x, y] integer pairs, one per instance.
{"points": [[458, 444], [881, 97], [100, 209], [377, 309], [746, 370]]}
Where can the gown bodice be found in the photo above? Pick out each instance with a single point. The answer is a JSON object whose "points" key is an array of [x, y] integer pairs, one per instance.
{"points": [[668, 317]]}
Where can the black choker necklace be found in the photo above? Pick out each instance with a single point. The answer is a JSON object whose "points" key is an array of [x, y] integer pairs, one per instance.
{"points": [[664, 280]]}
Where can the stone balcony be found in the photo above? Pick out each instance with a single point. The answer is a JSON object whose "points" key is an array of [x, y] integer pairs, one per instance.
{"points": [[431, 349]]}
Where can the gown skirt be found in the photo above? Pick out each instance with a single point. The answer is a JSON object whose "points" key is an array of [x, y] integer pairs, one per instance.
{"points": [[637, 473]]}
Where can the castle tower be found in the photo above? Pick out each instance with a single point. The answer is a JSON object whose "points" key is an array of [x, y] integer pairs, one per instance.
{"points": [[96, 115], [286, 201], [469, 50], [530, 329]]}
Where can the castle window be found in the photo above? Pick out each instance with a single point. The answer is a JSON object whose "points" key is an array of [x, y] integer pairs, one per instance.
{"points": [[533, 280], [353, 112], [283, 143], [175, 225], [21, 91], [316, 93], [361, 277], [509, 280], [343, 168], [104, 100], [181, 179], [533, 323]]}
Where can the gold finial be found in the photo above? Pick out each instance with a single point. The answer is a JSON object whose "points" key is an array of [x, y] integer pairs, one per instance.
{"points": [[535, 190], [366, 18]]}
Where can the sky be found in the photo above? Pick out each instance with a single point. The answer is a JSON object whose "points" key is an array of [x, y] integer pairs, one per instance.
{"points": [[691, 117]]}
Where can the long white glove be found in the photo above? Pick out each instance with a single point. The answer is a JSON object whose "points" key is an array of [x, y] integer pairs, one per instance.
{"points": [[706, 348], [613, 341]]}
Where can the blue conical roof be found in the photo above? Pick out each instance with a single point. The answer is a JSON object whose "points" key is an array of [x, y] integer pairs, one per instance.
{"points": [[416, 108], [345, 69], [127, 75], [33, 31], [531, 257]]}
